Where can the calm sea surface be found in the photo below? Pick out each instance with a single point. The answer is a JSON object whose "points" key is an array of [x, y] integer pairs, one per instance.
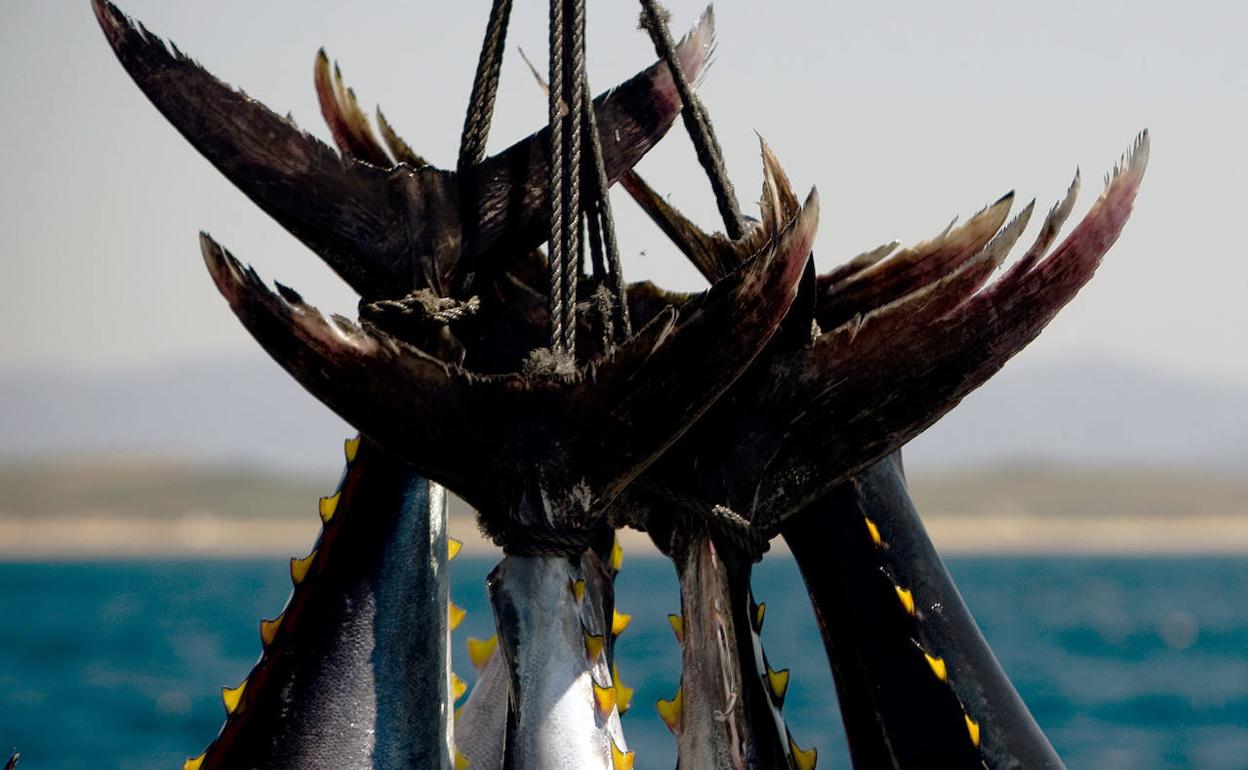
{"points": [[1127, 663]]}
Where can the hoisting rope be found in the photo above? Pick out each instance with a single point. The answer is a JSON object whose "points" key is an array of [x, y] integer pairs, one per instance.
{"points": [[484, 87], [748, 537], [697, 120]]}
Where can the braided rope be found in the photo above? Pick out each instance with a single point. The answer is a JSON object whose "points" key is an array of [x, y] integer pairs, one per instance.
{"points": [[574, 169], [732, 528], [485, 87], [528, 541], [555, 109], [603, 220], [697, 120]]}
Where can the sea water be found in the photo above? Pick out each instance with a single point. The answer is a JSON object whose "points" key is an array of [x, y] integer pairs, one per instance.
{"points": [[1127, 663]]}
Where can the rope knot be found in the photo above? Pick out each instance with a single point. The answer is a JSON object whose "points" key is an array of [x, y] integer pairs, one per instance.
{"points": [[534, 541]]}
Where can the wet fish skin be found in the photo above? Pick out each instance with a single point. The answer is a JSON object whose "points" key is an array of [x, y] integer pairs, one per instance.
{"points": [[897, 712], [367, 222], [554, 720], [355, 675]]}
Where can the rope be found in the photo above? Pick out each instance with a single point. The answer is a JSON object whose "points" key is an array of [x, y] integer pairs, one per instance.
{"points": [[485, 87], [557, 255], [575, 84], [731, 527], [523, 541], [421, 309], [602, 222], [697, 121]]}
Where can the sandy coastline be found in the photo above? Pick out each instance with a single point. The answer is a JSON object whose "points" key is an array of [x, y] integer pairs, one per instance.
{"points": [[210, 537]]}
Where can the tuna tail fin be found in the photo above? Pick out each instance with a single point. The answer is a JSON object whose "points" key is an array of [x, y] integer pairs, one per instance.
{"points": [[587, 432], [905, 365], [368, 222]]}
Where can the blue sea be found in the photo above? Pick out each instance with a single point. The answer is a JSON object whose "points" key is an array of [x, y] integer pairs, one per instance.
{"points": [[1127, 663]]}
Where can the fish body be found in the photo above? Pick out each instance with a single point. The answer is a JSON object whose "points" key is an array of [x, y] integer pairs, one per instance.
{"points": [[481, 723], [918, 685], [548, 611], [353, 673], [722, 717]]}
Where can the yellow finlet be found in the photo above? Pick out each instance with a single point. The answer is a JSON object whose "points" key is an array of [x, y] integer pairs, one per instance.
{"points": [[457, 713], [461, 762], [938, 667], [619, 622], [455, 615], [779, 683], [972, 727], [328, 506], [760, 612], [907, 599], [678, 627], [268, 629], [351, 448], [453, 547], [624, 693], [622, 760], [594, 646], [299, 568], [194, 763], [803, 759], [233, 697], [605, 698], [578, 590], [670, 710], [617, 555], [458, 687], [481, 650], [875, 533]]}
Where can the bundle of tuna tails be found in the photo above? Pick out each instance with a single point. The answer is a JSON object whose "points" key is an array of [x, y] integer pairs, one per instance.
{"points": [[513, 376], [876, 318], [397, 229]]}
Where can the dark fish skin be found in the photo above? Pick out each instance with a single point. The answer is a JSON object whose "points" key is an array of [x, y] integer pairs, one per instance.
{"points": [[355, 675], [387, 231], [727, 720], [13, 760], [897, 712]]}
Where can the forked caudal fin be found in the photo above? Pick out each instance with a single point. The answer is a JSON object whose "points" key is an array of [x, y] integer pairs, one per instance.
{"points": [[366, 221], [586, 434], [900, 368]]}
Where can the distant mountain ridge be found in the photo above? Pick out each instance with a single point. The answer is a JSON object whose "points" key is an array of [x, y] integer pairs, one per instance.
{"points": [[249, 412]]}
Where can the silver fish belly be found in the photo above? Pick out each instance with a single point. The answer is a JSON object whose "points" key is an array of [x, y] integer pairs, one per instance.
{"points": [[552, 634]]}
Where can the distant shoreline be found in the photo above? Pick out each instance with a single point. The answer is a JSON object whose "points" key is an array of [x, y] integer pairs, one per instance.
{"points": [[82, 538]]}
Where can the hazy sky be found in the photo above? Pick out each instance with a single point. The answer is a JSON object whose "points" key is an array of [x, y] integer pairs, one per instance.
{"points": [[904, 114]]}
